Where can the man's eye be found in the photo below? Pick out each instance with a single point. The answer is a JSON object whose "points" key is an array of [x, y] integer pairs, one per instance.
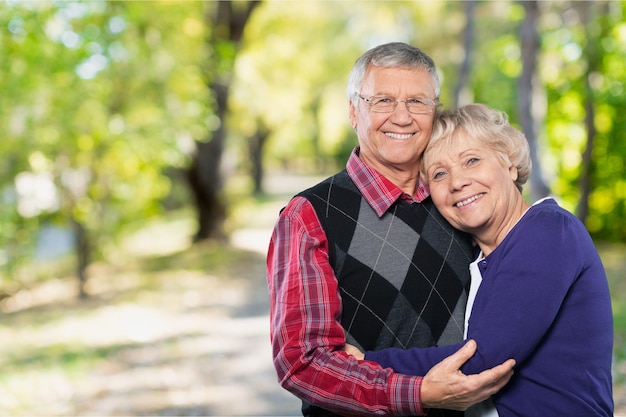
{"points": [[383, 100], [416, 101]]}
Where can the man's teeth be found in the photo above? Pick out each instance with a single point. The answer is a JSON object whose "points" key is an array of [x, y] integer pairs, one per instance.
{"points": [[469, 200], [399, 136]]}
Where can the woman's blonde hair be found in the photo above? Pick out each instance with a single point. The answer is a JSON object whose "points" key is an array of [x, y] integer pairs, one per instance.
{"points": [[489, 127]]}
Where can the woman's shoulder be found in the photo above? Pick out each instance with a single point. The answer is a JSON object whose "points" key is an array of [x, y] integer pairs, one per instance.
{"points": [[549, 219], [548, 208]]}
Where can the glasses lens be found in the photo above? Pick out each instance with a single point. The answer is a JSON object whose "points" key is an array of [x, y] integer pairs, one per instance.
{"points": [[418, 107], [385, 104], [382, 104]]}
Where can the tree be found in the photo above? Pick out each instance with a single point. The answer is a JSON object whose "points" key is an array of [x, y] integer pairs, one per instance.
{"points": [[468, 41], [586, 11], [257, 142], [102, 121], [226, 21], [526, 86], [125, 131]]}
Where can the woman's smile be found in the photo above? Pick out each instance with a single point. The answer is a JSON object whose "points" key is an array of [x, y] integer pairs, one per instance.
{"points": [[469, 200]]}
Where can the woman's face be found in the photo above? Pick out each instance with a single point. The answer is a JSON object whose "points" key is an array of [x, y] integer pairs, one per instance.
{"points": [[473, 187]]}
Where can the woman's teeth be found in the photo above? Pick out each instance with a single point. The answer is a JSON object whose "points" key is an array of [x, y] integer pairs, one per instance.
{"points": [[469, 200]]}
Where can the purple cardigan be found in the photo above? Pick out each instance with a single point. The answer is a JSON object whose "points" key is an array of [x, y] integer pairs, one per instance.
{"points": [[544, 301]]}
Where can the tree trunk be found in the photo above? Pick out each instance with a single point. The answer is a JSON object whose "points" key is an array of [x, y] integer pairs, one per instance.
{"points": [[593, 62], [205, 179], [256, 144], [530, 47], [468, 41], [226, 21], [83, 250]]}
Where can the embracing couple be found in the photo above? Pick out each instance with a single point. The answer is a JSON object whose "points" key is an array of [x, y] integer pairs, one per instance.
{"points": [[419, 281]]}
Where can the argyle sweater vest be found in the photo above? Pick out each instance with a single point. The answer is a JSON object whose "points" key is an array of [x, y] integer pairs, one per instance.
{"points": [[403, 277]]}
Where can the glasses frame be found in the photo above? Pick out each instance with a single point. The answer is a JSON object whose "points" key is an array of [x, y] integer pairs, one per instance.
{"points": [[434, 103]]}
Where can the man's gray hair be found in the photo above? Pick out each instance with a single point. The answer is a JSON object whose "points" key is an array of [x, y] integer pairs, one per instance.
{"points": [[394, 54]]}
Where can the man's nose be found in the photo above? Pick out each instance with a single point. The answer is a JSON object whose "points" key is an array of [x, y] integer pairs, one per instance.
{"points": [[401, 112]]}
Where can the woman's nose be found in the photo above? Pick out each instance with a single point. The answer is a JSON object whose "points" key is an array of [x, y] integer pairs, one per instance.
{"points": [[458, 179]]}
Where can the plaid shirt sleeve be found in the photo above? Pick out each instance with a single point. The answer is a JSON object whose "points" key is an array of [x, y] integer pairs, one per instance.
{"points": [[306, 333]]}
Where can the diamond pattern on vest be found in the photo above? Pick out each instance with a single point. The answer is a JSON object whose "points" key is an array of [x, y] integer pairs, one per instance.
{"points": [[402, 276]]}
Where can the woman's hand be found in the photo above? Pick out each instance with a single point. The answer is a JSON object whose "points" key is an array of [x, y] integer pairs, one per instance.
{"points": [[354, 351]]}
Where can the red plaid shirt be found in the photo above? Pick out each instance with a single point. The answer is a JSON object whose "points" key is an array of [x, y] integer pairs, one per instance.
{"points": [[305, 311]]}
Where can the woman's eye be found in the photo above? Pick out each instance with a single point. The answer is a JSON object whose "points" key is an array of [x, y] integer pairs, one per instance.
{"points": [[472, 161], [438, 174]]}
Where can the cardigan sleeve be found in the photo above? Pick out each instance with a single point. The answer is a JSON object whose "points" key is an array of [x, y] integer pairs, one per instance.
{"points": [[525, 280]]}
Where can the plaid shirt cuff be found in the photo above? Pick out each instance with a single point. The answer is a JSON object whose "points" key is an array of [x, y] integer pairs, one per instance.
{"points": [[404, 395]]}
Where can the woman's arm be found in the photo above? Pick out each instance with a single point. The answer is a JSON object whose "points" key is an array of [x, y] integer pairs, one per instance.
{"points": [[413, 361], [524, 283]]}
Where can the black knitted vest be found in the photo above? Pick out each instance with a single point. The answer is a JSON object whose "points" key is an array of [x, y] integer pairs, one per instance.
{"points": [[403, 277]]}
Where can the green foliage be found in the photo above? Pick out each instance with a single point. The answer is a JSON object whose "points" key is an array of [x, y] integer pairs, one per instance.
{"points": [[99, 96], [102, 98], [568, 51], [294, 86]]}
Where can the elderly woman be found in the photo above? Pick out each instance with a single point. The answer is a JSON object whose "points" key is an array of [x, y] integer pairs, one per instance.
{"points": [[538, 293]]}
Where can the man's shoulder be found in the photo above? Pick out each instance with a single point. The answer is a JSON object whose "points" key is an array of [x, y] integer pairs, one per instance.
{"points": [[340, 179], [312, 194]]}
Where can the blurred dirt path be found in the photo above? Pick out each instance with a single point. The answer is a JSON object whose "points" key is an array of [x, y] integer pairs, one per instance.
{"points": [[188, 336], [215, 359]]}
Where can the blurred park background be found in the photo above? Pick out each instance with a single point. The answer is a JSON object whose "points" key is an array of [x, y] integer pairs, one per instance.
{"points": [[147, 147]]}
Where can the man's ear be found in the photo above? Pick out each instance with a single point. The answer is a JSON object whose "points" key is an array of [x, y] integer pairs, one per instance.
{"points": [[352, 115]]}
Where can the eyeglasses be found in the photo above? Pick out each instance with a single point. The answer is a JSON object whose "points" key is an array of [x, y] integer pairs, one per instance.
{"points": [[386, 104]]}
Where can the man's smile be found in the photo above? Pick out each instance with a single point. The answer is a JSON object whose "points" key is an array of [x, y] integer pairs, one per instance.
{"points": [[399, 135]]}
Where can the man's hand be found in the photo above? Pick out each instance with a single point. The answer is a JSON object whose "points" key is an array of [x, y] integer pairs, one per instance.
{"points": [[445, 386], [354, 351]]}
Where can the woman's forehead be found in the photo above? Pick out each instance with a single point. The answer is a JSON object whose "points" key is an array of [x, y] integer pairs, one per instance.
{"points": [[453, 147]]}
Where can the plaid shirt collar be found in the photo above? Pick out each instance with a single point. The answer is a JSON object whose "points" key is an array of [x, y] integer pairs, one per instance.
{"points": [[378, 191]]}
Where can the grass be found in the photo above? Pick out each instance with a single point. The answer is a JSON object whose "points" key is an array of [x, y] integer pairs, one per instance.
{"points": [[614, 260]]}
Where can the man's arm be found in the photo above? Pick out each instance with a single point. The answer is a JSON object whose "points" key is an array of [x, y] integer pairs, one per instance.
{"points": [[307, 336]]}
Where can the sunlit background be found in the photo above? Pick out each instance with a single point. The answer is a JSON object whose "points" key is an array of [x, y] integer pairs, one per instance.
{"points": [[148, 146]]}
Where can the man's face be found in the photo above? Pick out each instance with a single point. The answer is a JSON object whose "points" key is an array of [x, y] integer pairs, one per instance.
{"points": [[393, 141]]}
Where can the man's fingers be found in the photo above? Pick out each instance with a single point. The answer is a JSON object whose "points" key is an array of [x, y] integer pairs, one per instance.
{"points": [[445, 385], [458, 358], [501, 374], [497, 377]]}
